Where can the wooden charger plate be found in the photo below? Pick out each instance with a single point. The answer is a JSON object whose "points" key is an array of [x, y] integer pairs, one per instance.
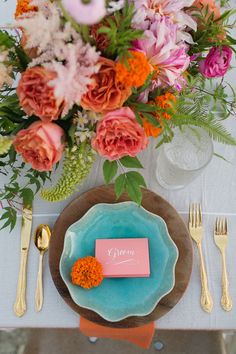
{"points": [[151, 202]]}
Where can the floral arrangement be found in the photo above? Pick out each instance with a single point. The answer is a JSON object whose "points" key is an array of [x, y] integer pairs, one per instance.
{"points": [[87, 78]]}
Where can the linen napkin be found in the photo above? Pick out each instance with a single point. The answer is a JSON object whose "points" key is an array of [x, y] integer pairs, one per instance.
{"points": [[141, 336]]}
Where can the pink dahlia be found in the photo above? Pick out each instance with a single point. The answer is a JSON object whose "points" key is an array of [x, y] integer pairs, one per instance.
{"points": [[168, 59], [146, 11]]}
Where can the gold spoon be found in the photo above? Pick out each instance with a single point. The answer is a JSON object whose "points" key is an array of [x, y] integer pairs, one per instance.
{"points": [[41, 239]]}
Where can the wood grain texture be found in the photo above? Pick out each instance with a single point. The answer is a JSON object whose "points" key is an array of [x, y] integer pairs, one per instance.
{"points": [[151, 202]]}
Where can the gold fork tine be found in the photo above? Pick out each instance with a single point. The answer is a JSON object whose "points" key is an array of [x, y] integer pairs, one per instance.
{"points": [[221, 225], [226, 226], [195, 215], [216, 226], [199, 216], [191, 214]]}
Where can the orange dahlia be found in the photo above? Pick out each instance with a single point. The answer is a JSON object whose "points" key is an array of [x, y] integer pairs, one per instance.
{"points": [[87, 272], [135, 72]]}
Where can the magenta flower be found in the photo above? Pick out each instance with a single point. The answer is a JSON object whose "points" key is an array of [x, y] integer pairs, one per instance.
{"points": [[216, 63], [87, 13], [169, 59]]}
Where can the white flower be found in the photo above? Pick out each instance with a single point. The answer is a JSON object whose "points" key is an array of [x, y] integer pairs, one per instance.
{"points": [[5, 70], [40, 27], [84, 121]]}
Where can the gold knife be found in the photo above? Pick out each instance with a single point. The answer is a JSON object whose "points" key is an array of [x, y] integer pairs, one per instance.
{"points": [[20, 304]]}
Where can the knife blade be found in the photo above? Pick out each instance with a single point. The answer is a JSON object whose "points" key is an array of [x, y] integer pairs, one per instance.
{"points": [[20, 304]]}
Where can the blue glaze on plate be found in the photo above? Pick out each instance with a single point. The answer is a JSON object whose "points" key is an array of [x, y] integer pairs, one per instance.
{"points": [[116, 299]]}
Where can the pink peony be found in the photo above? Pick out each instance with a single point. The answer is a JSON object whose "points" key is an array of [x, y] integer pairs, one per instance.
{"points": [[40, 145], [119, 134], [37, 96], [169, 59], [216, 62], [85, 13]]}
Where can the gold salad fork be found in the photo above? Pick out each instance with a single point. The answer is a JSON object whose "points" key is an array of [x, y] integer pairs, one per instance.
{"points": [[221, 240], [196, 232]]}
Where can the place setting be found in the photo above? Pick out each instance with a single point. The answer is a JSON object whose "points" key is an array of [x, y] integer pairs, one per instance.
{"points": [[111, 88]]}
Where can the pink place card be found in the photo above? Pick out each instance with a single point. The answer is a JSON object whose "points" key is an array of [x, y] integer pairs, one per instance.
{"points": [[124, 257]]}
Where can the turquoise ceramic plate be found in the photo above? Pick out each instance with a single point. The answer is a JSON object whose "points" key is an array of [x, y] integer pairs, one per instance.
{"points": [[116, 299]]}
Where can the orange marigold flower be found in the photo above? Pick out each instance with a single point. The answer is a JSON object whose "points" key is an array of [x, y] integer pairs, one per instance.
{"points": [[163, 101], [87, 272], [150, 130], [135, 72], [166, 101], [24, 6]]}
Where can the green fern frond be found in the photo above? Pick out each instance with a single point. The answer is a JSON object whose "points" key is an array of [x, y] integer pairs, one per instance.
{"points": [[5, 144], [77, 164], [195, 112]]}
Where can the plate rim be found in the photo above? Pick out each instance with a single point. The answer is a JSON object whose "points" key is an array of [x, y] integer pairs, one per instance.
{"points": [[173, 264]]}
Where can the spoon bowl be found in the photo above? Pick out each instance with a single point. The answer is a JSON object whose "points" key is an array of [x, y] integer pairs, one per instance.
{"points": [[42, 237]]}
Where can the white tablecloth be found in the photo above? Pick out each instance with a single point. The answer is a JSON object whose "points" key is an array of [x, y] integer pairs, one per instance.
{"points": [[215, 189]]}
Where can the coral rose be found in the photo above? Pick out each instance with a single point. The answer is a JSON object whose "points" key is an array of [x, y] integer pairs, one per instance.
{"points": [[105, 94], [37, 96], [41, 145], [212, 7], [119, 135], [216, 62]]}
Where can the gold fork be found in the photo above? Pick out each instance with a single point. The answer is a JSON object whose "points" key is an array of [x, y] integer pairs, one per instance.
{"points": [[221, 240], [196, 232]]}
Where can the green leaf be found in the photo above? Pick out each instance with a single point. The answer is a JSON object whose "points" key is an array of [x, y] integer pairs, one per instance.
{"points": [[28, 197], [231, 39], [10, 216], [134, 191], [138, 118], [6, 40], [23, 58], [109, 170], [221, 157], [71, 135], [131, 162], [136, 178], [120, 183], [151, 119]]}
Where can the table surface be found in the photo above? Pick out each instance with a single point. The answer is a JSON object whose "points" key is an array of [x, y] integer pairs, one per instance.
{"points": [[215, 189]]}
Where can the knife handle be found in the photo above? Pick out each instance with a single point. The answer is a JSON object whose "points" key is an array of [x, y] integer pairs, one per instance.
{"points": [[20, 304]]}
